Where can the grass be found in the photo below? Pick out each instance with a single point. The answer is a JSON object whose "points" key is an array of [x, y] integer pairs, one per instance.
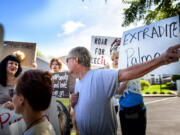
{"points": [[65, 101], [156, 89]]}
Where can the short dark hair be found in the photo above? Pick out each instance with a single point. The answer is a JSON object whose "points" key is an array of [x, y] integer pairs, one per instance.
{"points": [[3, 68], [36, 87]]}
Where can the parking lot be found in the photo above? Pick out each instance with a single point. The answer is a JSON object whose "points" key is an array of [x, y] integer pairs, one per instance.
{"points": [[163, 116]]}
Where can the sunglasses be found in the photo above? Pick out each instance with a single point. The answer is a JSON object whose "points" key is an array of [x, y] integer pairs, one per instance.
{"points": [[69, 58]]}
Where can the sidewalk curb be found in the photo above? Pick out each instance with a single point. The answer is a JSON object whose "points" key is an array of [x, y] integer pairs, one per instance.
{"points": [[174, 94], [160, 95]]}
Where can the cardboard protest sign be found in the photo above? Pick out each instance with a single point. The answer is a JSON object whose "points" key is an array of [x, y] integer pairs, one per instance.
{"points": [[145, 43], [1, 33], [1, 37], [13, 124], [63, 84], [28, 51], [102, 49]]}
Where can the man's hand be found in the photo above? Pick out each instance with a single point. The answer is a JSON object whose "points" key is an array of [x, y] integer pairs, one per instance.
{"points": [[171, 55], [74, 99]]}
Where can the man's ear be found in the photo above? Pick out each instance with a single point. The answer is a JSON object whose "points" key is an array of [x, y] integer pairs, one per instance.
{"points": [[77, 60]]}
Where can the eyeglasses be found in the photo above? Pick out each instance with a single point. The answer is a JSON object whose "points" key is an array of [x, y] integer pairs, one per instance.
{"points": [[69, 58], [12, 92]]}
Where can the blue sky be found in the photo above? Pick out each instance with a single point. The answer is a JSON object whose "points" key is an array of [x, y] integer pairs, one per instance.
{"points": [[59, 25]]}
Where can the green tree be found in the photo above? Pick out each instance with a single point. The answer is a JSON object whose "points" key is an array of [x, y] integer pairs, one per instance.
{"points": [[175, 77], [150, 10], [38, 53]]}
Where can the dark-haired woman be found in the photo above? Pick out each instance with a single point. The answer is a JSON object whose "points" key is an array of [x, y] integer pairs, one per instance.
{"points": [[10, 68], [31, 97]]}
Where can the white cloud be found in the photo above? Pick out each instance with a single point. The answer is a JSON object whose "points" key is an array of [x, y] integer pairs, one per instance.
{"points": [[70, 27], [107, 20]]}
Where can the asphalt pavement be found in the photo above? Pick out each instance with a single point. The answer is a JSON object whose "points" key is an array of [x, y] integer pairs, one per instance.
{"points": [[163, 115]]}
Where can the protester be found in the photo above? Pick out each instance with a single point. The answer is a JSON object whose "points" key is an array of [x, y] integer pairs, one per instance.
{"points": [[96, 88], [132, 112], [55, 65], [10, 68], [114, 58], [63, 113], [32, 96]]}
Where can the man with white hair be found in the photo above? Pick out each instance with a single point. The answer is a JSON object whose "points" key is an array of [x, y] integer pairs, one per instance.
{"points": [[94, 111]]}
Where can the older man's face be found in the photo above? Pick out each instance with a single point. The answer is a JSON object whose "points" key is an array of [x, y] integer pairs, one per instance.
{"points": [[71, 64]]}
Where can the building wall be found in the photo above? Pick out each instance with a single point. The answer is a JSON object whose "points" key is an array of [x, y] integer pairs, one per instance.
{"points": [[42, 64]]}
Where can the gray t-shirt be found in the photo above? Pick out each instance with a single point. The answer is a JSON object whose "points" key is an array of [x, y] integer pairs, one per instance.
{"points": [[5, 93], [94, 111]]}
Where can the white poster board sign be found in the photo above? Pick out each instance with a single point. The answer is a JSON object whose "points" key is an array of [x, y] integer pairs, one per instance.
{"points": [[145, 43], [102, 48]]}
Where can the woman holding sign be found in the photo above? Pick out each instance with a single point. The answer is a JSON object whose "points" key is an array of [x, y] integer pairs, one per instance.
{"points": [[63, 114], [10, 68]]}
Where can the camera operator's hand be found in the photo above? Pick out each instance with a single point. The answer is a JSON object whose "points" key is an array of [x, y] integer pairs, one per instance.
{"points": [[74, 99]]}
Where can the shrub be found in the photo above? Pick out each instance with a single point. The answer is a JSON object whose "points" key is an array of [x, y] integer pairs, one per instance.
{"points": [[144, 84], [168, 84], [147, 92], [169, 92], [154, 92], [162, 92]]}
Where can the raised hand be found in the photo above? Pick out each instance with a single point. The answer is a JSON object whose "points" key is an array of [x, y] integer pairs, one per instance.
{"points": [[171, 55]]}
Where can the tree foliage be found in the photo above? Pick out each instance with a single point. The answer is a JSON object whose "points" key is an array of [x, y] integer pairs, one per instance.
{"points": [[38, 53], [150, 10], [175, 77]]}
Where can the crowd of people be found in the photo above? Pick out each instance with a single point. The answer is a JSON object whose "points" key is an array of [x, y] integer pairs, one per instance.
{"points": [[29, 93]]}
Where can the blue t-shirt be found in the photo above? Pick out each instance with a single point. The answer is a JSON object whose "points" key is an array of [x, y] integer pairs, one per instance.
{"points": [[131, 95], [130, 99], [94, 111]]}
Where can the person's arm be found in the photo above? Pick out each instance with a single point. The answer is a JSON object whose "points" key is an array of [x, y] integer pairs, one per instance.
{"points": [[122, 88], [74, 99], [139, 70], [34, 65]]}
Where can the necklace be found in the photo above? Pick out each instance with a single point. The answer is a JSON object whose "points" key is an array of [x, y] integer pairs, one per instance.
{"points": [[34, 123]]}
